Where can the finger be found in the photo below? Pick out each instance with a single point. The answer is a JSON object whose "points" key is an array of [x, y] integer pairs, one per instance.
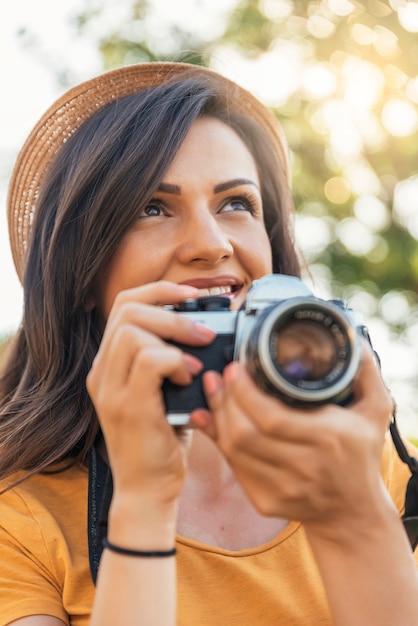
{"points": [[269, 414], [169, 325], [127, 304], [158, 293], [153, 321], [274, 489], [202, 418], [113, 369], [213, 387], [228, 421], [370, 391], [263, 465], [154, 363], [369, 374]]}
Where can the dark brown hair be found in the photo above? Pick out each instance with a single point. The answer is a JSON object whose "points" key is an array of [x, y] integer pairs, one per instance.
{"points": [[92, 193]]}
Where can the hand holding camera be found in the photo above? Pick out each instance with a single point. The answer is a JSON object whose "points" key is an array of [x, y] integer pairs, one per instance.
{"points": [[297, 347]]}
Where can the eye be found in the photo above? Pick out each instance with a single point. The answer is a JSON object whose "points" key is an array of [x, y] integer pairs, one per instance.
{"points": [[239, 203], [153, 209]]}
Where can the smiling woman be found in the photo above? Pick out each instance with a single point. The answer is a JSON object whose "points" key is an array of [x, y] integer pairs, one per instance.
{"points": [[207, 210], [142, 188]]}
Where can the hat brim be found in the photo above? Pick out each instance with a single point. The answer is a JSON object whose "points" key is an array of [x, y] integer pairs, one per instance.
{"points": [[64, 117]]}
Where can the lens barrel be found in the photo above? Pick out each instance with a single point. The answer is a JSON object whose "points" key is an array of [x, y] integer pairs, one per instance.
{"points": [[304, 350]]}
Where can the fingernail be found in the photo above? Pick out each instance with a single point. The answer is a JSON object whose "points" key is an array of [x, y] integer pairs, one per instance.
{"points": [[212, 383], [204, 331], [201, 418], [187, 291], [193, 364], [231, 372]]}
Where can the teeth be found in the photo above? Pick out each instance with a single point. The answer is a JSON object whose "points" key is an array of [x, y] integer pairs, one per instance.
{"points": [[215, 291]]}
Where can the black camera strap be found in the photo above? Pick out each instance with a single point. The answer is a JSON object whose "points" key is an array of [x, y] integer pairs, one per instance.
{"points": [[410, 516], [100, 490]]}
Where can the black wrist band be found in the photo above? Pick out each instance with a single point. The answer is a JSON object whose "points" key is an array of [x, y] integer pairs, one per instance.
{"points": [[139, 553]]}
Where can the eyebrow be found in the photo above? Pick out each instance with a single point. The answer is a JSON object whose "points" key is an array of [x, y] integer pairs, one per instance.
{"points": [[228, 184], [169, 188], [235, 182]]}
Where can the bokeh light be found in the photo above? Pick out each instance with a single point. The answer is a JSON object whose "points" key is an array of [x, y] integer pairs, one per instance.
{"points": [[405, 204], [356, 236], [408, 16], [337, 190], [373, 212], [400, 117], [394, 307], [342, 8]]}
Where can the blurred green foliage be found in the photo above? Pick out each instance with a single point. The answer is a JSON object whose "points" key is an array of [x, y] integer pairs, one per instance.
{"points": [[355, 80]]}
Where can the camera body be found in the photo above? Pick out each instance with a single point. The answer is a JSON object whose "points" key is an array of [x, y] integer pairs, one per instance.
{"points": [[297, 347]]}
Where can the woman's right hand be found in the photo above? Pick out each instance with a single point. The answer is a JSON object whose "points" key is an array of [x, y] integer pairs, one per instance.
{"points": [[146, 454]]}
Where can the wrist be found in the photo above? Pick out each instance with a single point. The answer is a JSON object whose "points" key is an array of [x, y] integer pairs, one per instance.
{"points": [[146, 525], [360, 526], [145, 554]]}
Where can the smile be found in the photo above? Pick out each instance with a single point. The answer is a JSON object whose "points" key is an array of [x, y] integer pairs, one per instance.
{"points": [[221, 290]]}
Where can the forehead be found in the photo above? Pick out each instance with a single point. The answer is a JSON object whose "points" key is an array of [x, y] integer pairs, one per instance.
{"points": [[211, 146]]}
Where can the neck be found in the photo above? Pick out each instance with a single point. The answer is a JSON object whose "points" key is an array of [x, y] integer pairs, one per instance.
{"points": [[207, 468], [214, 509]]}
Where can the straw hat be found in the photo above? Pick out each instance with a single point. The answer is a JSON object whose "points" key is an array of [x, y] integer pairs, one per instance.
{"points": [[64, 117]]}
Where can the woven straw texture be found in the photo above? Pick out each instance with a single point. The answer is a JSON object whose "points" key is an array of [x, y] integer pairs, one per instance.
{"points": [[63, 118]]}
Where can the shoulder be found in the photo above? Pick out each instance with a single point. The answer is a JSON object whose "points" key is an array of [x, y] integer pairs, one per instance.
{"points": [[51, 489], [52, 504], [43, 545]]}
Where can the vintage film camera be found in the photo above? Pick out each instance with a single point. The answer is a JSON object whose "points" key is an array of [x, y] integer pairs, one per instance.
{"points": [[296, 346]]}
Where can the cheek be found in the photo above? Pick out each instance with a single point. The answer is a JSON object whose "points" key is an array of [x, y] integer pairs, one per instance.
{"points": [[258, 253], [131, 266]]}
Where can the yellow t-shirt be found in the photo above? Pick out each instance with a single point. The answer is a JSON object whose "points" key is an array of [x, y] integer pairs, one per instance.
{"points": [[44, 567]]}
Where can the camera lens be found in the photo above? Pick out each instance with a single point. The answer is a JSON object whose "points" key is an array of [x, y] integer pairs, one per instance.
{"points": [[305, 350]]}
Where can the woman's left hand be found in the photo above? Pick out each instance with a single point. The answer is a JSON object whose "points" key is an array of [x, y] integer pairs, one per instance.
{"points": [[318, 465]]}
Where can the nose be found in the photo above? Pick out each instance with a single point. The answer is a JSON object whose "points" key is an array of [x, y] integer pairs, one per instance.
{"points": [[202, 239]]}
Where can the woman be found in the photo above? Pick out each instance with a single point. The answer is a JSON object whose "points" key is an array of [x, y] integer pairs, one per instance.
{"points": [[138, 190]]}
